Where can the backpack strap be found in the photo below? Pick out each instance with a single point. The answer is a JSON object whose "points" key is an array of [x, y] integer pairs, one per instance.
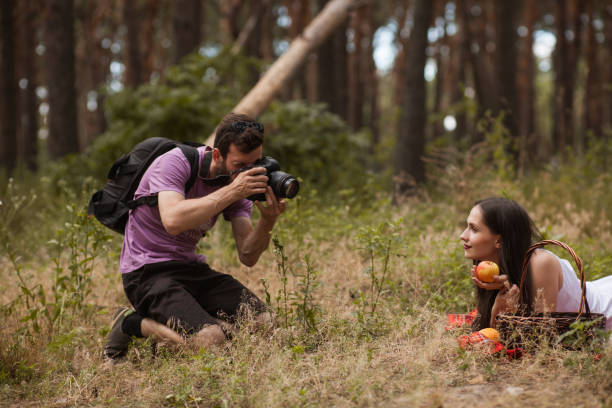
{"points": [[193, 157], [151, 201]]}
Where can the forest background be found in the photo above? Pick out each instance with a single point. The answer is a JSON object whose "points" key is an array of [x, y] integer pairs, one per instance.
{"points": [[396, 123]]}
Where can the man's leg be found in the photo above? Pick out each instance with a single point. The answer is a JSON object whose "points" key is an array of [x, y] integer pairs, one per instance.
{"points": [[160, 332], [225, 298], [127, 324], [179, 294], [168, 305], [219, 299]]}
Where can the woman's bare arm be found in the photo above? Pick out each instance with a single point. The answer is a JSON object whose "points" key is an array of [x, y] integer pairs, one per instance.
{"points": [[546, 281]]}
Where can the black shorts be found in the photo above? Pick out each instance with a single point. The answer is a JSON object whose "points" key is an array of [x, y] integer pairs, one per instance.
{"points": [[187, 295]]}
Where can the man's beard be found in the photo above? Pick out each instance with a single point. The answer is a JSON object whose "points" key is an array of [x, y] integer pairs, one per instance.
{"points": [[221, 169]]}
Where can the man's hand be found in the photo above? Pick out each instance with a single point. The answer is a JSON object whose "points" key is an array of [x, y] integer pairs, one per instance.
{"points": [[252, 242], [273, 207], [249, 182]]}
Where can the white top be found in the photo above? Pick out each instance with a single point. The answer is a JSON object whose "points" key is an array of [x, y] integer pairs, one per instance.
{"points": [[598, 293]]}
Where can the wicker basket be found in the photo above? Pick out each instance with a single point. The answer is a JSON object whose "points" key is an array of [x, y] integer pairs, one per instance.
{"points": [[525, 330]]}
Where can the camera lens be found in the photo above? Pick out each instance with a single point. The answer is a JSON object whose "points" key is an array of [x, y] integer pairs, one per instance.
{"points": [[291, 187], [284, 185]]}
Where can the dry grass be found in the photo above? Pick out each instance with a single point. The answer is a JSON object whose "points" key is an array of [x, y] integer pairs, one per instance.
{"points": [[401, 357]]}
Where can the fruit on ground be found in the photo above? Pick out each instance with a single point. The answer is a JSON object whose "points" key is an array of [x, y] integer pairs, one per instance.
{"points": [[490, 333]]}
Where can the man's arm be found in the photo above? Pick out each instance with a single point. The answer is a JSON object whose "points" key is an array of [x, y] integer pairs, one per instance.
{"points": [[179, 214], [252, 242]]}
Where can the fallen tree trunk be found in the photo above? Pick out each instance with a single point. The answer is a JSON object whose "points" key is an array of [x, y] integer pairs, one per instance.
{"points": [[282, 71]]}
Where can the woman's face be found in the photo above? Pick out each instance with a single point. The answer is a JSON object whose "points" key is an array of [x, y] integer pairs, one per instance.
{"points": [[478, 240]]}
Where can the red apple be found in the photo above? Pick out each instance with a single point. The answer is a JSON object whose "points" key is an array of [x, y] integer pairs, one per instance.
{"points": [[486, 270]]}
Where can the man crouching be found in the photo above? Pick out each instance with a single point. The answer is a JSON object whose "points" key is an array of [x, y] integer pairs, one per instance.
{"points": [[176, 296]]}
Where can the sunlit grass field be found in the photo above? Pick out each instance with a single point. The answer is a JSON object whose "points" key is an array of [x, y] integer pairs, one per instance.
{"points": [[360, 285]]}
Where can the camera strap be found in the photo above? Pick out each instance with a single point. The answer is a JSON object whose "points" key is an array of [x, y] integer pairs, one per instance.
{"points": [[219, 181]]}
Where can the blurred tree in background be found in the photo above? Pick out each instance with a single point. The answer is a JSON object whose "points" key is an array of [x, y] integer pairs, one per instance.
{"points": [[402, 78]]}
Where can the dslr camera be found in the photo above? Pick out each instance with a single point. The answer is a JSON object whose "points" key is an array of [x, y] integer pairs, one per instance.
{"points": [[283, 185]]}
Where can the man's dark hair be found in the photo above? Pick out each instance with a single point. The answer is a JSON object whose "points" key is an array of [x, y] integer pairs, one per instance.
{"points": [[241, 130]]}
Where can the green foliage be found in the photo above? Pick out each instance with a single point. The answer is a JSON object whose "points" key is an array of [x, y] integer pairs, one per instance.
{"points": [[504, 145], [16, 204], [378, 244], [306, 309], [282, 268], [316, 145], [583, 335], [74, 252], [188, 103], [185, 105], [183, 397], [294, 307]]}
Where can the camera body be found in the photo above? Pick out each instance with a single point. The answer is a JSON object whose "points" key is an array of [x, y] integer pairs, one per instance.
{"points": [[283, 185]]}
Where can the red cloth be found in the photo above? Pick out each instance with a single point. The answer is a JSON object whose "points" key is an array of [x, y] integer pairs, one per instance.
{"points": [[477, 340], [459, 320]]}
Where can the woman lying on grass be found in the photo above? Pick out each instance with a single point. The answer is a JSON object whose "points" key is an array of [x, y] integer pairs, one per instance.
{"points": [[500, 230]]}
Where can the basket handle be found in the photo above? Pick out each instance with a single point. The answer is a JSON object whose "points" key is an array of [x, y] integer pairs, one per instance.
{"points": [[583, 301]]}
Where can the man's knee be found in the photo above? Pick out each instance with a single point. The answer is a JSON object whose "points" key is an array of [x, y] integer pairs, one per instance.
{"points": [[209, 336], [263, 320]]}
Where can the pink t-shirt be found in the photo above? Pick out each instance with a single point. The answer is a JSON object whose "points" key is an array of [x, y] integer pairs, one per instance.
{"points": [[146, 240]]}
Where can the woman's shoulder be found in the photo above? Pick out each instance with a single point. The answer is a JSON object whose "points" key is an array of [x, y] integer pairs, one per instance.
{"points": [[543, 258], [544, 265]]}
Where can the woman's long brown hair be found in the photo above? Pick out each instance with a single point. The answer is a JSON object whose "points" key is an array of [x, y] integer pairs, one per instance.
{"points": [[510, 220]]}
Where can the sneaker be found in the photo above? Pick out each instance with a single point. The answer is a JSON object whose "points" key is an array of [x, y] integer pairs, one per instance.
{"points": [[117, 342]]}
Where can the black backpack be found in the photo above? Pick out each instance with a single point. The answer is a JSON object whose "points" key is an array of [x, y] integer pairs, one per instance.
{"points": [[112, 204]]}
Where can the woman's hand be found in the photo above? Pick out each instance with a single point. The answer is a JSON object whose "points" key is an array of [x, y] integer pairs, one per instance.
{"points": [[506, 301], [499, 281]]}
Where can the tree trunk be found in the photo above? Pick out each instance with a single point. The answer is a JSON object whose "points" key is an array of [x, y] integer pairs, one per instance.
{"points": [[340, 71], [93, 62], [332, 70], [228, 21], [187, 27], [561, 61], [281, 72], [372, 89], [164, 51], [28, 136], [566, 57], [440, 47], [132, 14], [60, 78], [252, 31], [593, 87], [252, 34], [525, 80], [477, 40], [459, 48], [8, 87], [411, 138], [299, 13], [607, 102], [577, 8], [362, 72], [356, 87], [399, 65], [506, 63], [267, 36]]}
